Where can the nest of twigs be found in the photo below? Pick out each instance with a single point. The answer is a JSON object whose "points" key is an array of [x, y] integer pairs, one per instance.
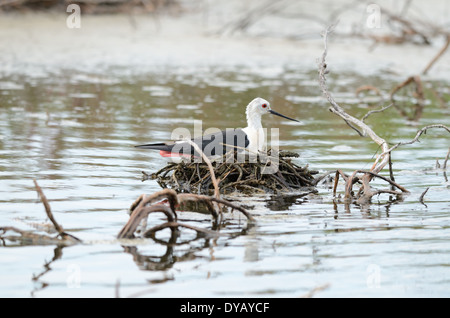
{"points": [[244, 177]]}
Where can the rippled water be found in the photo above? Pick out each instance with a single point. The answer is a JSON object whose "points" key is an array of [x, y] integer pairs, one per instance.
{"points": [[75, 134]]}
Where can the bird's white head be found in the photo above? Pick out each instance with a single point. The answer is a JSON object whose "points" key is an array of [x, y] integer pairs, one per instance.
{"points": [[255, 109], [258, 107]]}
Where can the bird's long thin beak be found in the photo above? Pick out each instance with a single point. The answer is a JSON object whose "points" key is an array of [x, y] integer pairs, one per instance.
{"points": [[278, 114]]}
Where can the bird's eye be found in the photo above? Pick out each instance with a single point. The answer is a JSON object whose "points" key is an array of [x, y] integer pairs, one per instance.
{"points": [[264, 105]]}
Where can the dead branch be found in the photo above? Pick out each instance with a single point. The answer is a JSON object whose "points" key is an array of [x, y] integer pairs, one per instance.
{"points": [[248, 177], [348, 187], [392, 182], [144, 205], [338, 110], [212, 174], [416, 138], [144, 200], [204, 198], [136, 218], [418, 94], [175, 225], [407, 27], [446, 159], [211, 169], [365, 192], [375, 111], [48, 211], [391, 172], [336, 181], [27, 236], [183, 197], [438, 55], [423, 195], [319, 178]]}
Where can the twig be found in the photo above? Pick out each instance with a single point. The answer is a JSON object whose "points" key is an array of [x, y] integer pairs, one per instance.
{"points": [[316, 181], [49, 213], [144, 200], [409, 80], [375, 111], [140, 210], [446, 159], [408, 28], [440, 53], [139, 214], [211, 169], [393, 183], [195, 197], [174, 225], [419, 96], [391, 172], [336, 109], [43, 239], [48, 210], [365, 193], [348, 186], [27, 235], [422, 195], [189, 196], [196, 177], [416, 138], [336, 181]]}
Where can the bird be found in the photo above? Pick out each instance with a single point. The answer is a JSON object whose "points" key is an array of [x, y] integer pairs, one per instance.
{"points": [[250, 138]]}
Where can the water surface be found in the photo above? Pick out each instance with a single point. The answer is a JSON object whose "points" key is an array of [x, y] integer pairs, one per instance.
{"points": [[75, 132]]}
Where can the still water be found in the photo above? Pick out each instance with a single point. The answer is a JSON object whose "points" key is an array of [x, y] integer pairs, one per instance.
{"points": [[75, 132]]}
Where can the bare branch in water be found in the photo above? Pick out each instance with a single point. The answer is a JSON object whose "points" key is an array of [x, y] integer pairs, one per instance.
{"points": [[48, 210], [423, 195], [64, 238], [446, 159], [144, 205], [364, 130], [418, 134], [365, 192]]}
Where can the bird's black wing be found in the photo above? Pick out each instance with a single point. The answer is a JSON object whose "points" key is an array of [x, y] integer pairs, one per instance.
{"points": [[212, 144]]}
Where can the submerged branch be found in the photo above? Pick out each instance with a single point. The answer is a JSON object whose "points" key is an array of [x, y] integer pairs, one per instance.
{"points": [[48, 210], [204, 198], [145, 205], [64, 238]]}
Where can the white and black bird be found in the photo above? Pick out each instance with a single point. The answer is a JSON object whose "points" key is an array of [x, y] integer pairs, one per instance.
{"points": [[250, 138]]}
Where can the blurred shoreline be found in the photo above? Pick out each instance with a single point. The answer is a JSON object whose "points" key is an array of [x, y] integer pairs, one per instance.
{"points": [[202, 36]]}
